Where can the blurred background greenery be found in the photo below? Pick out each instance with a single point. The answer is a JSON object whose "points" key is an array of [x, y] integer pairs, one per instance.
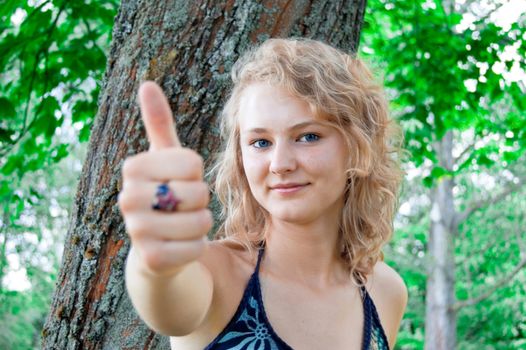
{"points": [[446, 66], [52, 60]]}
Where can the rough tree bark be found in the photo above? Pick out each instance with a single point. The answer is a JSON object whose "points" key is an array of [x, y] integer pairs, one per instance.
{"points": [[188, 47]]}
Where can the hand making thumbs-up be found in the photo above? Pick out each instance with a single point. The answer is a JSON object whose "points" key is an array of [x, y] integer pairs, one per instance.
{"points": [[164, 198]]}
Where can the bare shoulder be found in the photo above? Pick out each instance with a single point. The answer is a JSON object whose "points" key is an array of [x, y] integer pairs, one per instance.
{"points": [[216, 251], [224, 249], [389, 293], [226, 260], [387, 284]]}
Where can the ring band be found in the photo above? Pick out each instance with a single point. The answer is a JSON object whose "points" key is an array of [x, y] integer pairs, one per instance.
{"points": [[165, 199]]}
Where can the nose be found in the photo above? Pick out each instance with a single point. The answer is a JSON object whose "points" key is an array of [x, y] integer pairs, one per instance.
{"points": [[283, 159]]}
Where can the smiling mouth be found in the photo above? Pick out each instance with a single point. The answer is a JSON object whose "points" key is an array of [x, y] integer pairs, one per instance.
{"points": [[289, 185], [289, 189]]}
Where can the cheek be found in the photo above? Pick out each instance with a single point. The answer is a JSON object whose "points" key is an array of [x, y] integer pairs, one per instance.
{"points": [[324, 160], [327, 163], [315, 159], [253, 167]]}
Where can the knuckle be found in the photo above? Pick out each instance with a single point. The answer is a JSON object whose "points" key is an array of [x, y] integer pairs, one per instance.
{"points": [[123, 202], [129, 167], [137, 227], [206, 219], [152, 259], [204, 194], [195, 162], [127, 201]]}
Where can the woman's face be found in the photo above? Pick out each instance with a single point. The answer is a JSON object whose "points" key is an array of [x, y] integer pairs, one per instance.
{"points": [[283, 145]]}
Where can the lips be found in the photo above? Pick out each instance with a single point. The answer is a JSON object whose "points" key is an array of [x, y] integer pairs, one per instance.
{"points": [[287, 189], [287, 185]]}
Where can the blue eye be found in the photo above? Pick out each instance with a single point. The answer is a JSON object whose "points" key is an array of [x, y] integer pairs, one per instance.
{"points": [[261, 143], [310, 137]]}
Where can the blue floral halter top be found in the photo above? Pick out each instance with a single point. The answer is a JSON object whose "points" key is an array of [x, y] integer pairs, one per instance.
{"points": [[249, 328]]}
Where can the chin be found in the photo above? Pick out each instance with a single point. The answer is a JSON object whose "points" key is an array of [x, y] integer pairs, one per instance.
{"points": [[292, 215]]}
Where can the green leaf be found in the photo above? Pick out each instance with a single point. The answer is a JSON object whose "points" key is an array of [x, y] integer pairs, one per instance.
{"points": [[14, 161], [60, 152], [7, 110], [35, 193], [5, 135], [437, 172], [85, 132], [46, 123], [82, 111], [428, 181]]}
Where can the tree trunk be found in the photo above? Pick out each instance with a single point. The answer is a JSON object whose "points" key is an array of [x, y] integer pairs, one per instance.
{"points": [[189, 48], [440, 291]]}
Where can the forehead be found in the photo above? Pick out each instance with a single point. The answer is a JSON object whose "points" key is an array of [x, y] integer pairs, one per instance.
{"points": [[264, 105]]}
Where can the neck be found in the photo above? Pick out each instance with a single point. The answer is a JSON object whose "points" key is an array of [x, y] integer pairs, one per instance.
{"points": [[306, 254]]}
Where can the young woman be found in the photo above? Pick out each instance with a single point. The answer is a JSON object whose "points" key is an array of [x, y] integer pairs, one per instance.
{"points": [[308, 181]]}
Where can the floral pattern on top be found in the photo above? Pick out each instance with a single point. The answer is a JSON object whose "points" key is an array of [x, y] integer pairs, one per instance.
{"points": [[377, 341], [251, 333]]}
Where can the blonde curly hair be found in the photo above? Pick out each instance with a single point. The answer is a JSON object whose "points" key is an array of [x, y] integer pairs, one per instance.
{"points": [[339, 88]]}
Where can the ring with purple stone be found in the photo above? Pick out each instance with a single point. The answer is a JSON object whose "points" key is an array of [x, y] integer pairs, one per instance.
{"points": [[165, 199]]}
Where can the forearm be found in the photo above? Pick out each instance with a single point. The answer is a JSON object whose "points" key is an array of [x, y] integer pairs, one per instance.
{"points": [[172, 305]]}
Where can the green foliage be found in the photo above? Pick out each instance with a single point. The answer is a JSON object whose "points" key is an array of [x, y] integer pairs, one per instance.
{"points": [[22, 312], [487, 250], [406, 253], [442, 76], [34, 242], [52, 59]]}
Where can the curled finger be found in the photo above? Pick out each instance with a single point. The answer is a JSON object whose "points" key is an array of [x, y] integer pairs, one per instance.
{"points": [[142, 196], [162, 226]]}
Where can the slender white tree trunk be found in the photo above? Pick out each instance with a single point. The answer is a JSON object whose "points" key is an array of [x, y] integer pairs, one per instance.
{"points": [[440, 291]]}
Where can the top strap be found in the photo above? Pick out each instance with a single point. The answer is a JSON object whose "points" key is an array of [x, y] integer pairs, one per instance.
{"points": [[363, 292], [260, 256]]}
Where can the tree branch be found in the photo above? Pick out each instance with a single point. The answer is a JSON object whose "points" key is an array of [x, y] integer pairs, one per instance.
{"points": [[477, 252], [520, 241], [479, 204], [3, 248], [464, 151], [472, 301], [469, 280]]}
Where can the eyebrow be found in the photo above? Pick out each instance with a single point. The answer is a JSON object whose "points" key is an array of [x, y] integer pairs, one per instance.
{"points": [[294, 127]]}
